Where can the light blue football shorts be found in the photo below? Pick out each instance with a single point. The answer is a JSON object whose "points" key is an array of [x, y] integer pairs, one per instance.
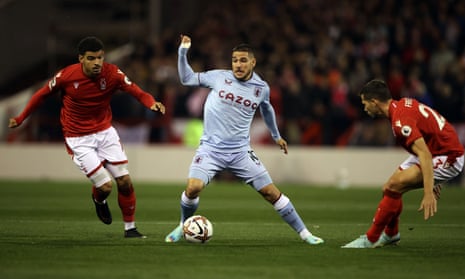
{"points": [[243, 164]]}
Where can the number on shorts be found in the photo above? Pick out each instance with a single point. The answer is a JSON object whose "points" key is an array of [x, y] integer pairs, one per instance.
{"points": [[253, 157]]}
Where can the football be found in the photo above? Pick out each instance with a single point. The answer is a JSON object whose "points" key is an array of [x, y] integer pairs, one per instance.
{"points": [[197, 229]]}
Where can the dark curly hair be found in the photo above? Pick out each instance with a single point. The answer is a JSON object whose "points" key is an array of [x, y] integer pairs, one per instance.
{"points": [[89, 44]]}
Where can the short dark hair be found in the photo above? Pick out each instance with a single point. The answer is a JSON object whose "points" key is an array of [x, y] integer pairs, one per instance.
{"points": [[376, 89], [244, 47], [89, 44]]}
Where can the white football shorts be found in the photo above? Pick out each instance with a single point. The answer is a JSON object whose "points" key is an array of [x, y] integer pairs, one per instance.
{"points": [[443, 171], [93, 152]]}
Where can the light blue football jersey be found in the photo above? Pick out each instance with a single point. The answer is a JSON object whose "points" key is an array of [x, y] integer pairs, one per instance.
{"points": [[230, 106]]}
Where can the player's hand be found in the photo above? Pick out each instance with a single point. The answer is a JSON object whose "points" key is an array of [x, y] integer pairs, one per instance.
{"points": [[185, 41], [158, 107], [282, 144], [429, 205], [13, 123]]}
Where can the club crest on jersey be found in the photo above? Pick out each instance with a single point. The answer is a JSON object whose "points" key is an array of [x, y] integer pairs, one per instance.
{"points": [[103, 84], [406, 130], [76, 85], [258, 91]]}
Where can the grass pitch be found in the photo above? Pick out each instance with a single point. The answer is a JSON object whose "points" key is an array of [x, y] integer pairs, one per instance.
{"points": [[50, 230]]}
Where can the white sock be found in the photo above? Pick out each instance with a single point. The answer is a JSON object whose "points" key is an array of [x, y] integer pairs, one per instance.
{"points": [[304, 234], [188, 201], [129, 225], [281, 202]]}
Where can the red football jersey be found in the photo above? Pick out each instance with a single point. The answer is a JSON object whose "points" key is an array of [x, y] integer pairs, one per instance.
{"points": [[86, 101], [411, 120]]}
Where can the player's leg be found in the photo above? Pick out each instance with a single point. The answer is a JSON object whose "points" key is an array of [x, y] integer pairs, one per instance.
{"points": [[390, 207], [189, 204], [203, 168], [101, 189], [248, 167], [407, 178], [126, 200], [190, 198], [127, 204], [84, 156], [111, 151], [283, 205]]}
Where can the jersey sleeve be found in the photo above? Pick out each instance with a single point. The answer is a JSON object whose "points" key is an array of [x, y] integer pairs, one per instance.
{"points": [[187, 76], [269, 116], [38, 97], [130, 87], [408, 131]]}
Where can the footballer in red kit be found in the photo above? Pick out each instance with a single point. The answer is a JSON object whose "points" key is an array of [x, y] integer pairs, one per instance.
{"points": [[437, 156], [86, 101], [86, 90]]}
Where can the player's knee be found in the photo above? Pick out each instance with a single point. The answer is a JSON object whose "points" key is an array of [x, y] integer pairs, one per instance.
{"points": [[393, 185], [124, 184], [106, 187]]}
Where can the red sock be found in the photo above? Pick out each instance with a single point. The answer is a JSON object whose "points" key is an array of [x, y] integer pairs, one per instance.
{"points": [[99, 195], [127, 203], [389, 208], [393, 227]]}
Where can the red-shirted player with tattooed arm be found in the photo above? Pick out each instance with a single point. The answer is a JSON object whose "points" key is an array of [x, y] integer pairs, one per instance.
{"points": [[86, 89], [436, 157]]}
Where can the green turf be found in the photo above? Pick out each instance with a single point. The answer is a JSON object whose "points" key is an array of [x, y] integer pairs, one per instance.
{"points": [[49, 230]]}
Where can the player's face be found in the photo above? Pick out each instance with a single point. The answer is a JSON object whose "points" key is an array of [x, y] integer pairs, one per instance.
{"points": [[92, 62], [371, 107], [242, 65]]}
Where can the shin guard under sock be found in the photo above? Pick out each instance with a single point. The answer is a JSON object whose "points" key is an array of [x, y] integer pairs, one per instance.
{"points": [[393, 227], [388, 209], [286, 209], [127, 204], [188, 206]]}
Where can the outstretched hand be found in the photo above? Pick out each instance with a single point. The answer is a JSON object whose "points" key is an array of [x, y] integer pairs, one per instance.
{"points": [[158, 107], [429, 206], [282, 144], [13, 123]]}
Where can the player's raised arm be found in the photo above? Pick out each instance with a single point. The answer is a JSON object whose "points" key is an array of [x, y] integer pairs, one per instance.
{"points": [[185, 72]]}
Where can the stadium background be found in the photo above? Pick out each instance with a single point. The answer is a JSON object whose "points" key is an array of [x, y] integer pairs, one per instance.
{"points": [[315, 55]]}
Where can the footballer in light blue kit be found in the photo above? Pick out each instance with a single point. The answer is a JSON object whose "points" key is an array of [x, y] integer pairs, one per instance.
{"points": [[229, 109]]}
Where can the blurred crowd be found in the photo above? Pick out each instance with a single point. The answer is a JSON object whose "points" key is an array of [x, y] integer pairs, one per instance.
{"points": [[316, 55]]}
